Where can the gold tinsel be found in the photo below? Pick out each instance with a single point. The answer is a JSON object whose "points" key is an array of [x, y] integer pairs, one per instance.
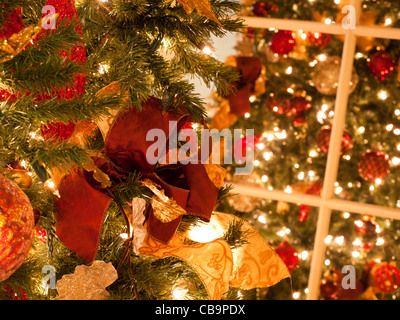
{"points": [[19, 41], [165, 209]]}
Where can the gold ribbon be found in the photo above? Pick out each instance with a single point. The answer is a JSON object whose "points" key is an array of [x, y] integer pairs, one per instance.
{"points": [[253, 265]]}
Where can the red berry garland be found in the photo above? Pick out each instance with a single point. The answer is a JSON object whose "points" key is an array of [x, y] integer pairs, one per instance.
{"points": [[373, 165], [62, 131]]}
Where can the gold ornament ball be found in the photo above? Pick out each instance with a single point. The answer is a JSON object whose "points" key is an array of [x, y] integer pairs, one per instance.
{"points": [[16, 227], [326, 76]]}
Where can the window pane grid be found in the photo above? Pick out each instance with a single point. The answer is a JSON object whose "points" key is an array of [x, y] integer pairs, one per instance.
{"points": [[326, 202]]}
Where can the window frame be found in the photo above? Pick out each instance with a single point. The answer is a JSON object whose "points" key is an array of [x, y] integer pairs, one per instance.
{"points": [[327, 202]]}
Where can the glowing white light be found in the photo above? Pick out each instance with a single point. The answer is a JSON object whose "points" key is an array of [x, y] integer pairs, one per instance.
{"points": [[361, 129], [313, 153], [311, 173], [207, 50], [357, 242], [339, 240], [338, 190], [301, 175], [288, 189], [383, 95], [304, 255], [267, 155], [327, 262], [289, 70], [264, 178], [346, 215], [355, 254], [322, 57], [389, 127], [380, 242], [262, 219], [328, 239], [124, 236], [103, 68], [247, 115], [179, 294], [256, 163], [396, 131], [260, 146], [388, 21], [296, 295], [328, 21], [359, 223]]}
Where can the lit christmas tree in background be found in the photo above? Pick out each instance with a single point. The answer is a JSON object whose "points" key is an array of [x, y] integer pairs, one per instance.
{"points": [[292, 99], [81, 207]]}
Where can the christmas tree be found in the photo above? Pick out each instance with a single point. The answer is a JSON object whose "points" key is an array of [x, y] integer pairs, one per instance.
{"points": [[290, 102], [84, 213]]}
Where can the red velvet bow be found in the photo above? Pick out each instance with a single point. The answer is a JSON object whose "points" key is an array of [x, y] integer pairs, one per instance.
{"points": [[82, 205]]}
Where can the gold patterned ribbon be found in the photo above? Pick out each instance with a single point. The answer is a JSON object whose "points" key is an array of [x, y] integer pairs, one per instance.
{"points": [[253, 265]]}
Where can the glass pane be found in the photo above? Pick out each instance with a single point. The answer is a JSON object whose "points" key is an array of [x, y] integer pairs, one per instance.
{"points": [[369, 168], [361, 257]]}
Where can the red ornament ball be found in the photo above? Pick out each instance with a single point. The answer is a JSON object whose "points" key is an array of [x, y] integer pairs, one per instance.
{"points": [[16, 227], [329, 289], [288, 254], [381, 65], [387, 278], [262, 9], [324, 138], [298, 105], [318, 39], [373, 165], [278, 106], [282, 42], [366, 227]]}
